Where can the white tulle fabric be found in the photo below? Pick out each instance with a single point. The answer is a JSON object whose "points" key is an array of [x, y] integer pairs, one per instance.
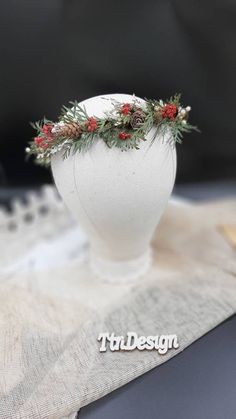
{"points": [[53, 307]]}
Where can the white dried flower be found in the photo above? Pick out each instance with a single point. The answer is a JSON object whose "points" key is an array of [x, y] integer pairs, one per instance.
{"points": [[188, 108], [27, 150], [56, 128]]}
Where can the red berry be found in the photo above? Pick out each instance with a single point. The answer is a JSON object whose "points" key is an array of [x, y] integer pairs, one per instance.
{"points": [[124, 136], [91, 124], [41, 142], [44, 145], [169, 111], [38, 140], [47, 129], [125, 109]]}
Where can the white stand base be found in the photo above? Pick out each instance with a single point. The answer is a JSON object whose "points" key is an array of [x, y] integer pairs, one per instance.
{"points": [[121, 270]]}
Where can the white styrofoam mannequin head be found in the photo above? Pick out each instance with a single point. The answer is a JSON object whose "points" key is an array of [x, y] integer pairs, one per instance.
{"points": [[118, 197]]}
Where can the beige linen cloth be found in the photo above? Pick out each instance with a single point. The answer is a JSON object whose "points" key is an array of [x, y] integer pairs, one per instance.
{"points": [[52, 309]]}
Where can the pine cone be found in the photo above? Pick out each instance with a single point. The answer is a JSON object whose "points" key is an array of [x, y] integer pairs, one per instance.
{"points": [[137, 118], [157, 116], [69, 130]]}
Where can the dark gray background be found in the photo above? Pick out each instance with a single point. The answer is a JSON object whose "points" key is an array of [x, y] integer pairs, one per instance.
{"points": [[55, 51]]}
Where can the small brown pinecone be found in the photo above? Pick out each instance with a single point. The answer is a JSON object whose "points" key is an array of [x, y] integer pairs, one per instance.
{"points": [[157, 116], [137, 118], [69, 130]]}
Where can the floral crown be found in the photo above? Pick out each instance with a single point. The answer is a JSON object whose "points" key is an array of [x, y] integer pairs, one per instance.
{"points": [[124, 127]]}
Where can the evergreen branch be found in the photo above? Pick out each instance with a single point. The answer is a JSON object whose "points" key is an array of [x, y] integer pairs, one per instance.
{"points": [[124, 127]]}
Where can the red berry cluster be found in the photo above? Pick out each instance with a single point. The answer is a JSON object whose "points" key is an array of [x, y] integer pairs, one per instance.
{"points": [[91, 124], [169, 111], [124, 136], [40, 142], [125, 109], [47, 130], [47, 136]]}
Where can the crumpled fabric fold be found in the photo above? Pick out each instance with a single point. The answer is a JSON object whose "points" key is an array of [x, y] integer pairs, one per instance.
{"points": [[53, 309]]}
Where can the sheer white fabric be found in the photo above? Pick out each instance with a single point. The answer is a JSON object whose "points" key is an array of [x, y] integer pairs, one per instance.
{"points": [[53, 308]]}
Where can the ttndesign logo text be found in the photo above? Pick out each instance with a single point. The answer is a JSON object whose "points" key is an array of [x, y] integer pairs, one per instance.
{"points": [[132, 341]]}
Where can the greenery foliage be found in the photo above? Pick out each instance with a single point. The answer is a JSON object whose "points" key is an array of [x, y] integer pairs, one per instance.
{"points": [[124, 127]]}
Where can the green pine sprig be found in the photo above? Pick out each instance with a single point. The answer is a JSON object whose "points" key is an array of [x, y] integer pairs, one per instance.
{"points": [[108, 128]]}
